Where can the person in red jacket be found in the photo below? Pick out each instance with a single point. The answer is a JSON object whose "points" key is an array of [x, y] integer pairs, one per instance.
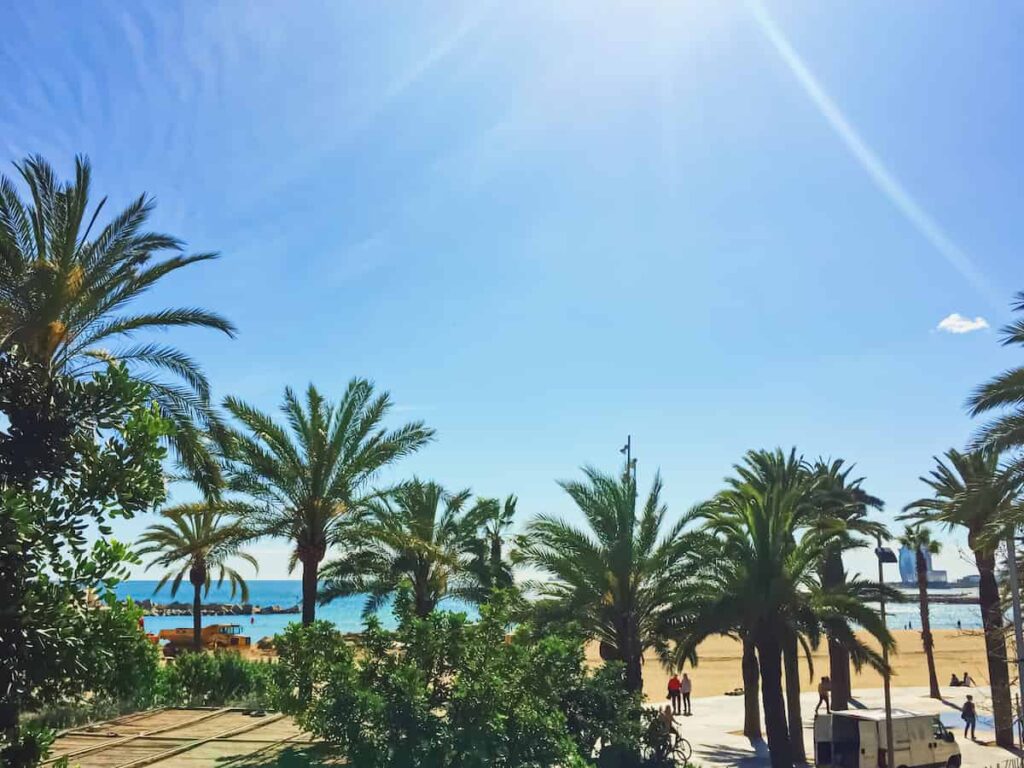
{"points": [[674, 687]]}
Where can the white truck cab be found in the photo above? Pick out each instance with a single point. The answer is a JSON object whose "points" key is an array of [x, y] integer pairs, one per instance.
{"points": [[856, 739]]}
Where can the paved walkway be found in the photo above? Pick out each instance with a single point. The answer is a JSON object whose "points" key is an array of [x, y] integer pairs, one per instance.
{"points": [[715, 728], [230, 738], [189, 738]]}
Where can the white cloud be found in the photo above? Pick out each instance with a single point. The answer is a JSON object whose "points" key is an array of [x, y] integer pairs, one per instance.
{"points": [[957, 323]]}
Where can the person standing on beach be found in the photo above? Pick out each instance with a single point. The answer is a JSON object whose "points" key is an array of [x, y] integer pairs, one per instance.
{"points": [[970, 716], [686, 686], [674, 687], [824, 689]]}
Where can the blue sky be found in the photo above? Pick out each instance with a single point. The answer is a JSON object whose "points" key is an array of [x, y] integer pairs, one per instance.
{"points": [[714, 226]]}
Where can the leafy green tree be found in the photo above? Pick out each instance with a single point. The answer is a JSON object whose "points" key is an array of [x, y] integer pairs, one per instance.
{"points": [[441, 691], [307, 477], [918, 539], [196, 540], [416, 534], [756, 573], [74, 454], [67, 282], [839, 509], [975, 491], [620, 579]]}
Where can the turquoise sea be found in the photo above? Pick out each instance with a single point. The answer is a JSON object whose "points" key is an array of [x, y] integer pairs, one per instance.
{"points": [[346, 613]]}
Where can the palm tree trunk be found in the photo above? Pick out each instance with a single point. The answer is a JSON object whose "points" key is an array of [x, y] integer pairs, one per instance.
{"points": [[630, 652], [995, 647], [751, 683], [926, 624], [791, 658], [197, 617], [769, 657], [310, 566], [834, 575]]}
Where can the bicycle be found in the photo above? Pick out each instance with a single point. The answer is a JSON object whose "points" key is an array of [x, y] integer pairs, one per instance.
{"points": [[681, 751]]}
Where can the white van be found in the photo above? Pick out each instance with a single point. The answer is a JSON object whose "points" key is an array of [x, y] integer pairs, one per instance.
{"points": [[856, 739]]}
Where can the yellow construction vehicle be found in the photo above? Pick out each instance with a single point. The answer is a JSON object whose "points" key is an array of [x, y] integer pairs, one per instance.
{"points": [[213, 637]]}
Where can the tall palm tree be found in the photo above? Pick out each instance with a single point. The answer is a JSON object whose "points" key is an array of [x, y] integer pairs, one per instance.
{"points": [[419, 534], [783, 479], [195, 541], [918, 539], [66, 288], [840, 511], [757, 574], [1003, 393], [305, 478], [488, 567], [620, 578], [975, 491]]}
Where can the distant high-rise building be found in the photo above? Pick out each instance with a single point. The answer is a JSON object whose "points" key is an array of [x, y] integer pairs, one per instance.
{"points": [[908, 567]]}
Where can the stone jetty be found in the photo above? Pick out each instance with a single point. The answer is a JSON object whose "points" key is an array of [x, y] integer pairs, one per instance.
{"points": [[151, 608]]}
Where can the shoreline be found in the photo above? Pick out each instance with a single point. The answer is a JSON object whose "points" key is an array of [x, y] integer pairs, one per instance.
{"points": [[178, 608]]}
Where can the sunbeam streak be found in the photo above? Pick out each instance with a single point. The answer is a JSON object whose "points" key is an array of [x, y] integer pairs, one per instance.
{"points": [[870, 162]]}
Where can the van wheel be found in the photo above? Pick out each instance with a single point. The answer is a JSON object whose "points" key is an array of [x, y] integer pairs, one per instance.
{"points": [[953, 762]]}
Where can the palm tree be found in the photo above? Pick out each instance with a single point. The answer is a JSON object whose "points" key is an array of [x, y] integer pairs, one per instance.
{"points": [[918, 539], [783, 479], [488, 568], [840, 509], [757, 574], [1003, 393], [975, 491], [66, 285], [196, 540], [418, 534], [306, 478], [621, 576]]}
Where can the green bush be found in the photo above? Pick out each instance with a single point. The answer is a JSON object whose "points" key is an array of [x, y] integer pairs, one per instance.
{"points": [[119, 664], [442, 691], [222, 678]]}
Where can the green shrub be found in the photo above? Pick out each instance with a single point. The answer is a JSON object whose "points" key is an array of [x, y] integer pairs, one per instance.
{"points": [[442, 691], [222, 678], [119, 664]]}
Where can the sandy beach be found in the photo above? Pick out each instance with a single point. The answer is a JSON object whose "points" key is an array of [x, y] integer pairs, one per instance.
{"points": [[718, 670]]}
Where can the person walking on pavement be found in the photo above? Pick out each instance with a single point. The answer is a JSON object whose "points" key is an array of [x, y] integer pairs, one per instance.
{"points": [[674, 687], [686, 686], [824, 689], [970, 716]]}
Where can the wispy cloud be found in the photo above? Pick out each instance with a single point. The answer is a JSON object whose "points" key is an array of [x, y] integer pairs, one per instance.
{"points": [[957, 323], [869, 161]]}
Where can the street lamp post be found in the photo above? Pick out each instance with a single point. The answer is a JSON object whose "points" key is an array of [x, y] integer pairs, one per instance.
{"points": [[1011, 565], [627, 449], [885, 555]]}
